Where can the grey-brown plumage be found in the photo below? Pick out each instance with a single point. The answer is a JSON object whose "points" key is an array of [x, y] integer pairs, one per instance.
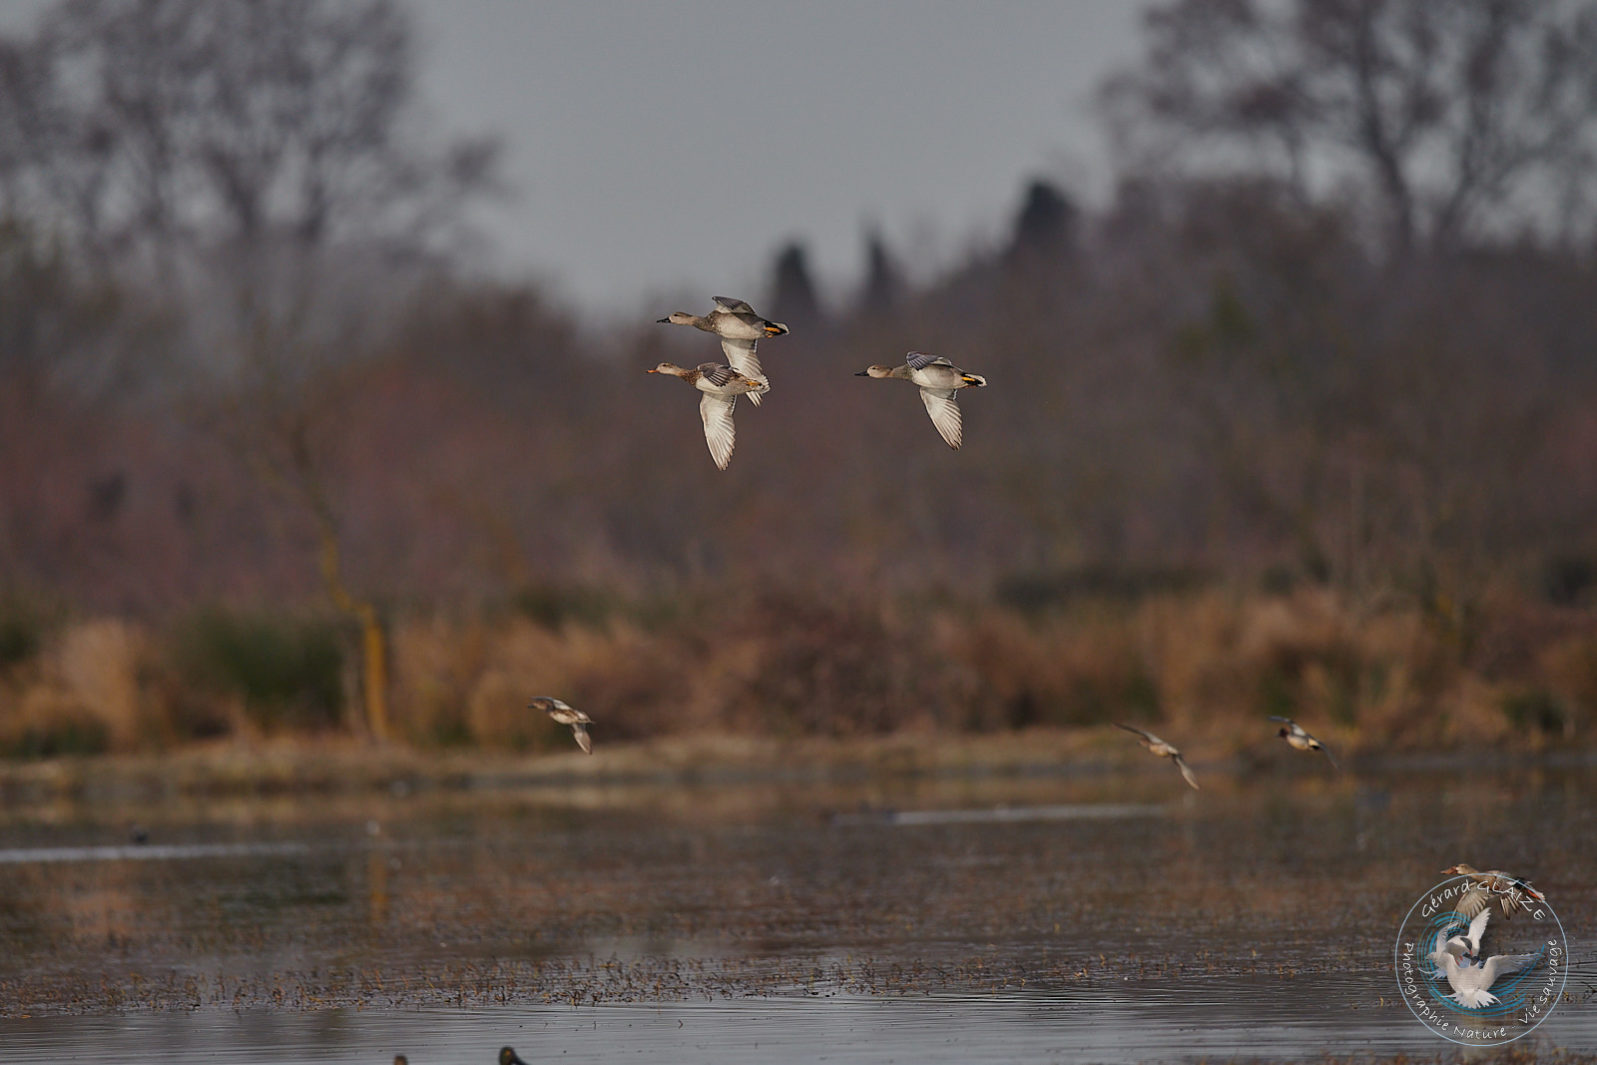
{"points": [[1511, 893], [939, 381], [1162, 749], [1300, 740], [566, 715], [721, 385], [740, 330]]}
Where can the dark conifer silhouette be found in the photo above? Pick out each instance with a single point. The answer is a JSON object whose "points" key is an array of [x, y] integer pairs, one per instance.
{"points": [[794, 299]]}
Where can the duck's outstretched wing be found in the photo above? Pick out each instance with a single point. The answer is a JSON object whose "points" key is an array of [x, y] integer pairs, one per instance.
{"points": [[1474, 899], [1516, 896], [1186, 770], [943, 408], [1144, 733], [919, 360], [720, 433], [579, 731], [740, 353], [732, 306]]}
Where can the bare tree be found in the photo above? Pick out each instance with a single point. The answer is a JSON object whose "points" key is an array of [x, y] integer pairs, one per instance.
{"points": [[1456, 117], [137, 128], [253, 165]]}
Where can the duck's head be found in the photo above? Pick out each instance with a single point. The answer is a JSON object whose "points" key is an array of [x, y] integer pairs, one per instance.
{"points": [[670, 368], [875, 371], [1284, 731], [1460, 869], [680, 318]]}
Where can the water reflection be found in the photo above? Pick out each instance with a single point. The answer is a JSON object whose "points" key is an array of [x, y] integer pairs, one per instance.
{"points": [[1009, 908]]}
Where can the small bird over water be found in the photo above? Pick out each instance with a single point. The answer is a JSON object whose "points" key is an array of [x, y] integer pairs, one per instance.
{"points": [[740, 330], [1164, 750], [721, 386], [507, 1056], [1300, 740], [566, 715], [939, 380]]}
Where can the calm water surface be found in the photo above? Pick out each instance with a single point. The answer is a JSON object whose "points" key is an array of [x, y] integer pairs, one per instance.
{"points": [[1018, 918]]}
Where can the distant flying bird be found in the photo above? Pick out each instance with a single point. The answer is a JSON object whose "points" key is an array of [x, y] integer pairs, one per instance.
{"points": [[1472, 984], [721, 386], [1511, 892], [566, 715], [1164, 750], [939, 380], [1300, 740], [740, 330]]}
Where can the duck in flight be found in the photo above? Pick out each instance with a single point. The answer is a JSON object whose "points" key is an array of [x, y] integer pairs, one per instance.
{"points": [[1511, 892], [721, 385], [1300, 740], [1162, 749], [566, 715], [740, 330], [939, 381]]}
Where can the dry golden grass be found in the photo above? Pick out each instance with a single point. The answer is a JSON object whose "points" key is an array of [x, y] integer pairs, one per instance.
{"points": [[98, 666], [1205, 665]]}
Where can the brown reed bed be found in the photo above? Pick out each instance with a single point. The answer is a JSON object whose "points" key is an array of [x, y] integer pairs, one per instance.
{"points": [[739, 676]]}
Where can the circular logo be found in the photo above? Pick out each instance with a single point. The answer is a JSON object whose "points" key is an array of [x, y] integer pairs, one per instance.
{"points": [[1481, 960]]}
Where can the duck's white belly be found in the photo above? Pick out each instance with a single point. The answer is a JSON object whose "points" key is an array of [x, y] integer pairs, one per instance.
{"points": [[734, 328]]}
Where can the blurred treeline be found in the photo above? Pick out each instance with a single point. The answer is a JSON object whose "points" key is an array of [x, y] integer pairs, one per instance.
{"points": [[1303, 421]]}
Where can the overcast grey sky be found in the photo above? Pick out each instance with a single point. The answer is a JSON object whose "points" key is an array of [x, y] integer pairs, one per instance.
{"points": [[663, 149], [666, 148]]}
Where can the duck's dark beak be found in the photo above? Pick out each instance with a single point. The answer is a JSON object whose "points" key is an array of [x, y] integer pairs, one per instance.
{"points": [[662, 321], [862, 373]]}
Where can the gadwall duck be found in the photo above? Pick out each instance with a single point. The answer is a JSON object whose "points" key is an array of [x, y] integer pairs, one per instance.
{"points": [[939, 379], [740, 330], [1299, 739], [507, 1056], [721, 386], [566, 715], [1164, 750], [1471, 984], [1511, 892]]}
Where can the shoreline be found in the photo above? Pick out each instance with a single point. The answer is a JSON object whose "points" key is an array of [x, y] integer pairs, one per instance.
{"points": [[342, 766]]}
